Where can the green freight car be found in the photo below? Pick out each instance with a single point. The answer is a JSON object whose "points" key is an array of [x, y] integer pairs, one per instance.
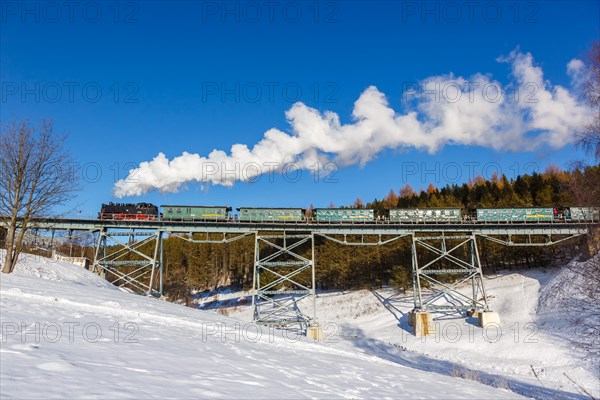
{"points": [[515, 214], [344, 215], [195, 213], [410, 215], [272, 214], [585, 213]]}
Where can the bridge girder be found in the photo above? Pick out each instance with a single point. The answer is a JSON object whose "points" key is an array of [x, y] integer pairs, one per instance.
{"points": [[379, 228]]}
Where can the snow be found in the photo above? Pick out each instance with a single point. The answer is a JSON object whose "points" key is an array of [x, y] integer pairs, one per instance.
{"points": [[66, 333], [47, 268], [534, 334]]}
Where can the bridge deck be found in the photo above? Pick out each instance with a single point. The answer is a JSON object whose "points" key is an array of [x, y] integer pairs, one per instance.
{"points": [[371, 228]]}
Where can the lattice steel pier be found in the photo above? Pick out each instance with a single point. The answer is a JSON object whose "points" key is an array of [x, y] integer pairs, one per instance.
{"points": [[135, 264], [461, 252], [284, 275]]}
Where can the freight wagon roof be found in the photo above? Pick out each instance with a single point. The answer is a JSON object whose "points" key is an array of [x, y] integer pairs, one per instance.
{"points": [[513, 208], [270, 208], [426, 208], [348, 208], [127, 204], [187, 206]]}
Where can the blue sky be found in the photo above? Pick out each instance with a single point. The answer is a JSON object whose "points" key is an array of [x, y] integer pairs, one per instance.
{"points": [[128, 80]]}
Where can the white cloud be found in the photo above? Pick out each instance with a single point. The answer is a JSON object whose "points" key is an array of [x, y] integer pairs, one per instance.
{"points": [[527, 113]]}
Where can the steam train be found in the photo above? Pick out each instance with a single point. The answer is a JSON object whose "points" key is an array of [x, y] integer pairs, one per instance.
{"points": [[150, 212]]}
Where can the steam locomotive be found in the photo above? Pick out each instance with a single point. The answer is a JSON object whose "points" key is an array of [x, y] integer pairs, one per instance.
{"points": [[127, 211]]}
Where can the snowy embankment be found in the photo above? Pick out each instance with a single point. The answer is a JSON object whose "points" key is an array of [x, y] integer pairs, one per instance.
{"points": [[68, 334], [532, 352]]}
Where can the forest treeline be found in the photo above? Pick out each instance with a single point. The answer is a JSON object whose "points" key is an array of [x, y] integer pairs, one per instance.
{"points": [[554, 187], [195, 267]]}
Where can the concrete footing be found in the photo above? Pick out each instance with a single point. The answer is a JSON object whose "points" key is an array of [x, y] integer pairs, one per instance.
{"points": [[486, 318], [422, 323], [315, 332]]}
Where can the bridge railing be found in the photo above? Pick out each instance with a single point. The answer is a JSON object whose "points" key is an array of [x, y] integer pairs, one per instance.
{"points": [[79, 216], [386, 221]]}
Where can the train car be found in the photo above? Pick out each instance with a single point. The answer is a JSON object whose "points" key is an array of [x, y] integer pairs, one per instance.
{"points": [[412, 215], [258, 214], [195, 213], [525, 214], [344, 215], [129, 211], [582, 213]]}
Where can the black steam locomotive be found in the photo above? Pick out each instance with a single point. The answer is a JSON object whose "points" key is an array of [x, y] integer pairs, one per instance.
{"points": [[127, 211]]}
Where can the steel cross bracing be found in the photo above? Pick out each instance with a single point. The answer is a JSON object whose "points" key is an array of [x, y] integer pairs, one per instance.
{"points": [[528, 242], [467, 266], [283, 277], [135, 264], [208, 239], [33, 237]]}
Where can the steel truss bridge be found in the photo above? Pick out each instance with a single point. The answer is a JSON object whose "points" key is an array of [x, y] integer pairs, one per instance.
{"points": [[284, 256]]}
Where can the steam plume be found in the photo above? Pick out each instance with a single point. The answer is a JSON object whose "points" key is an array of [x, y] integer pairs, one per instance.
{"points": [[530, 112]]}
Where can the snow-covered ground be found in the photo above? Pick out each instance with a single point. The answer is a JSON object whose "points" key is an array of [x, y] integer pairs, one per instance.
{"points": [[535, 335], [68, 334]]}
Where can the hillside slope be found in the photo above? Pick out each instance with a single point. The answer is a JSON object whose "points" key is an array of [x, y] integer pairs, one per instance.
{"points": [[70, 335], [534, 351]]}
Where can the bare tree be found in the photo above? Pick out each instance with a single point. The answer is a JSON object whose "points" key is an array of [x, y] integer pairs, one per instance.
{"points": [[589, 137], [580, 299], [35, 177]]}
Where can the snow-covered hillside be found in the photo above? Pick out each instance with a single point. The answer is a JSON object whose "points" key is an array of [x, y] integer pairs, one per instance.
{"points": [[67, 334], [535, 336]]}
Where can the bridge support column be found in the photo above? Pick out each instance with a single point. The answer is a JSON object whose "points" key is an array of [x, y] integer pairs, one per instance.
{"points": [[284, 275], [136, 265], [486, 318], [444, 255], [422, 323]]}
